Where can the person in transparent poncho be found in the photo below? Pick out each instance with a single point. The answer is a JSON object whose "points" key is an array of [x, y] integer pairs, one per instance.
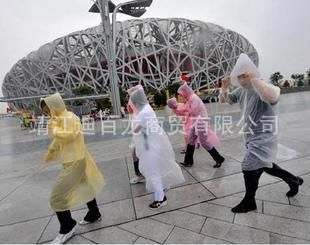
{"points": [[198, 128], [79, 180], [153, 148], [138, 178], [257, 100]]}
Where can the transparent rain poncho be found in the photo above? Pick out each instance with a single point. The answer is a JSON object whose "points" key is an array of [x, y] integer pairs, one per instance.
{"points": [[79, 180], [243, 65], [153, 148], [259, 118]]}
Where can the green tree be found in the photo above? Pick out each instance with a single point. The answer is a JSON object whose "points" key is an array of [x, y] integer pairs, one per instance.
{"points": [[299, 78], [160, 98], [173, 88], [275, 77], [82, 90], [308, 77], [122, 95]]}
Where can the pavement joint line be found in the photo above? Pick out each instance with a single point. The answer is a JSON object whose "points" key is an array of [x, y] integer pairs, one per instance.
{"points": [[134, 242], [44, 229], [101, 204], [28, 177], [137, 234], [191, 212], [278, 216], [25, 221], [204, 222], [131, 194], [272, 231], [96, 229], [199, 182], [255, 228], [88, 239], [173, 226], [263, 207]]}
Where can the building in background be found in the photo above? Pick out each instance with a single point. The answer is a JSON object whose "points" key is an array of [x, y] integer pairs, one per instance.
{"points": [[152, 52]]}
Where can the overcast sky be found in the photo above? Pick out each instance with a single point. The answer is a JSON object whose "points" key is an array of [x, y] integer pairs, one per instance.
{"points": [[278, 29]]}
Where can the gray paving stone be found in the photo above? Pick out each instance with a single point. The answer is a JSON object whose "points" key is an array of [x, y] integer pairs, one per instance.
{"points": [[112, 214], [177, 198], [21, 154], [117, 181], [211, 210], [287, 211], [77, 239], [297, 166], [203, 169], [232, 184], [111, 235], [30, 201], [300, 200], [179, 235], [287, 227], [234, 233], [142, 240], [149, 229], [24, 232], [182, 219], [269, 195], [8, 185], [280, 239]]}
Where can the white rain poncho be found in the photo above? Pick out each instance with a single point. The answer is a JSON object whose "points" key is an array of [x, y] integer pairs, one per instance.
{"points": [[153, 148], [259, 120]]}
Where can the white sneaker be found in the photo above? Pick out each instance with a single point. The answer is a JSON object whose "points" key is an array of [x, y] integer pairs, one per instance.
{"points": [[84, 222], [62, 238], [137, 180]]}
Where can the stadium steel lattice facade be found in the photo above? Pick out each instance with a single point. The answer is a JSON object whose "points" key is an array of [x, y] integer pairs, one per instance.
{"points": [[149, 51]]}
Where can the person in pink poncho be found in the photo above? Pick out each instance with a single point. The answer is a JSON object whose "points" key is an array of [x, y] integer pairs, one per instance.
{"points": [[181, 110], [199, 128]]}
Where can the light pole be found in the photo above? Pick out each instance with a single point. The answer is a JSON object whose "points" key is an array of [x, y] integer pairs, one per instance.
{"points": [[134, 8]]}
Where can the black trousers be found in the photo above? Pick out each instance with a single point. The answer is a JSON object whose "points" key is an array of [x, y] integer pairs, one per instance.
{"points": [[137, 171], [67, 222], [251, 179]]}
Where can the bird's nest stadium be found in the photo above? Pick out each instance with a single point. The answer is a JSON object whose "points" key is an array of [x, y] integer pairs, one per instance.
{"points": [[151, 51]]}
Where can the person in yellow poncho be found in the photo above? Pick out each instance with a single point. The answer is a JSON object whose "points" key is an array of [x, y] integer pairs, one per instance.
{"points": [[79, 180]]}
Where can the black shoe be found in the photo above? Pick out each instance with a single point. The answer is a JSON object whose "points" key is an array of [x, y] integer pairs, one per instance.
{"points": [[294, 188], [158, 204], [218, 164], [189, 156], [185, 164], [244, 207], [91, 217], [216, 157]]}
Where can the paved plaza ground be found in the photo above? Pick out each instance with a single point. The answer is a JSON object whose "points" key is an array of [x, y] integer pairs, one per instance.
{"points": [[198, 211]]}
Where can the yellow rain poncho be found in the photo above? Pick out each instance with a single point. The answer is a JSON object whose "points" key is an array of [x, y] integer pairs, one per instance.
{"points": [[79, 180]]}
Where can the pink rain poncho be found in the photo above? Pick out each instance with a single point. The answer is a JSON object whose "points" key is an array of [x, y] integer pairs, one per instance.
{"points": [[153, 148], [182, 110], [199, 125]]}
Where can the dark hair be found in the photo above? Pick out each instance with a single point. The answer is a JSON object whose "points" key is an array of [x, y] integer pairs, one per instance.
{"points": [[42, 104]]}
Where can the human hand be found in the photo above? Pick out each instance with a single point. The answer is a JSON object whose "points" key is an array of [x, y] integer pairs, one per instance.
{"points": [[51, 155], [251, 75], [226, 82]]}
